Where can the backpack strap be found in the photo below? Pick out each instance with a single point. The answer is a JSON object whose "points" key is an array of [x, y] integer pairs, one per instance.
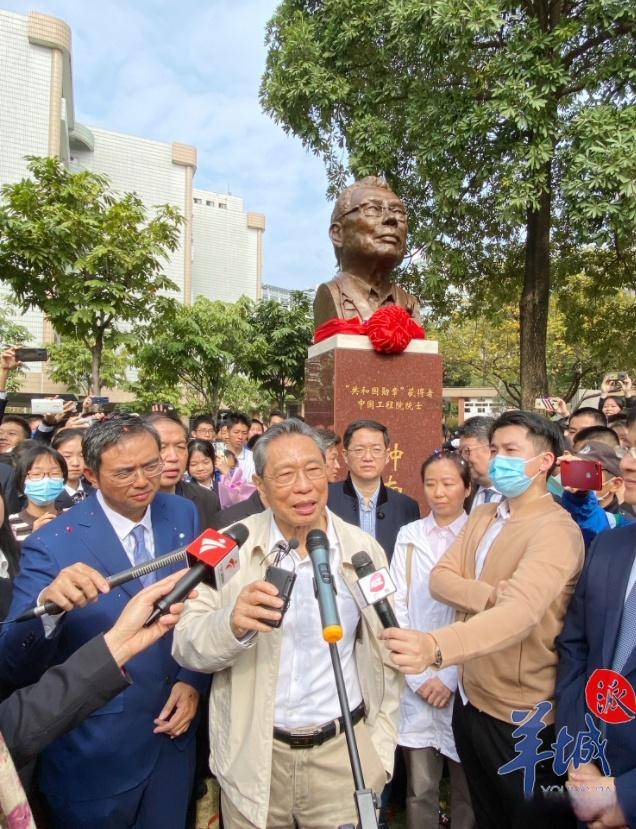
{"points": [[410, 549]]}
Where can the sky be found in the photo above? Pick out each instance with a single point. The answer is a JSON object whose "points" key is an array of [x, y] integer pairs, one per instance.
{"points": [[190, 71]]}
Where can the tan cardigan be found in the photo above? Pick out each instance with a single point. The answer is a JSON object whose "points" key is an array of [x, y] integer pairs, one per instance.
{"points": [[245, 677], [508, 650]]}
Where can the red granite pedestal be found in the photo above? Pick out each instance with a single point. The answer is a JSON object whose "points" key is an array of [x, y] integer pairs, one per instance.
{"points": [[345, 380]]}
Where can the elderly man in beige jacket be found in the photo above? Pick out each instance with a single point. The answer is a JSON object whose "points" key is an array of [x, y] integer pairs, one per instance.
{"points": [[277, 746]]}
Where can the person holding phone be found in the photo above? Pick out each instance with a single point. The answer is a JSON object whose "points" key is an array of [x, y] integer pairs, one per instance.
{"points": [[594, 502], [616, 393]]}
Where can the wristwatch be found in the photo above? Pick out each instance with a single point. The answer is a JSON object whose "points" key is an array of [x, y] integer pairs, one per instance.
{"points": [[437, 662]]}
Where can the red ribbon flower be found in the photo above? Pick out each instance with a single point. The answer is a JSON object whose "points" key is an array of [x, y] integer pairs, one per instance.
{"points": [[390, 329]]}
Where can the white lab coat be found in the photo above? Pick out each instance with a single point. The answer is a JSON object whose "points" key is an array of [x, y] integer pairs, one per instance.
{"points": [[422, 725]]}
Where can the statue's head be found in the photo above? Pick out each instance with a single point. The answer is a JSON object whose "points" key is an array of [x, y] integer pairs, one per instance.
{"points": [[369, 223]]}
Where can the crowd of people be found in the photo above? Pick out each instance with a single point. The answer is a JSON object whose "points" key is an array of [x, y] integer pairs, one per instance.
{"points": [[512, 587]]}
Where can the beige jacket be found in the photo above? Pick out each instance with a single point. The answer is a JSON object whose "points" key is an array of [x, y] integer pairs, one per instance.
{"points": [[244, 685], [508, 649]]}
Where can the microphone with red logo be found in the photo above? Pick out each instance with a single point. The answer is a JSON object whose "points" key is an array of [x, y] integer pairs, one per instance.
{"points": [[373, 587], [213, 559]]}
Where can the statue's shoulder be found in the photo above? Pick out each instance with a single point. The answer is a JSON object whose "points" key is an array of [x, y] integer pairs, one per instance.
{"points": [[327, 302]]}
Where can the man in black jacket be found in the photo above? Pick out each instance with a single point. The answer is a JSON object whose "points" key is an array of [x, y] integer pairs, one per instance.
{"points": [[363, 499], [174, 454]]}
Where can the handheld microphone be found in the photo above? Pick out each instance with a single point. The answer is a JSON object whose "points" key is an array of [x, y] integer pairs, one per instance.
{"points": [[51, 609], [318, 549], [374, 586], [213, 559]]}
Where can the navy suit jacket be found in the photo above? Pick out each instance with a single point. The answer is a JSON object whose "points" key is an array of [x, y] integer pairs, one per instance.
{"points": [[114, 749], [587, 642], [393, 511]]}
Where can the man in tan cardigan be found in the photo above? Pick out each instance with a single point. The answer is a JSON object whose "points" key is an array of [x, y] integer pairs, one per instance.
{"points": [[510, 576], [276, 738]]}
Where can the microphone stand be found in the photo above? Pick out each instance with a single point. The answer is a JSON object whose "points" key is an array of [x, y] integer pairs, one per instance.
{"points": [[365, 798]]}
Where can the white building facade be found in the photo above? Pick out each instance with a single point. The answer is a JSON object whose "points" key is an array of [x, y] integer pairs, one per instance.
{"points": [[220, 254]]}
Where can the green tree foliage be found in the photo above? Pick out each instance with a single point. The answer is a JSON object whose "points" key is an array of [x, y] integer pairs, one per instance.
{"points": [[71, 363], [193, 352], [590, 332], [12, 333], [278, 347], [509, 128], [87, 259]]}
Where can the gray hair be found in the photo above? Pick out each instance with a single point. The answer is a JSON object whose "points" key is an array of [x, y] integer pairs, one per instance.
{"points": [[477, 427], [292, 426], [102, 435]]}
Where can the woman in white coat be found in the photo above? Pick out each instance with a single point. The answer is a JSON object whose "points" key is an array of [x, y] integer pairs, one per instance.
{"points": [[425, 733]]}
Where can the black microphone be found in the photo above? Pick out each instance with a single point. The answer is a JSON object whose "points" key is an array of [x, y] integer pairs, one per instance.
{"points": [[212, 560], [363, 566], [51, 609], [318, 549]]}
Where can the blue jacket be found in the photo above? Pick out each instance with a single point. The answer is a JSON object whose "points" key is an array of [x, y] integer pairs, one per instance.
{"points": [[393, 511], [114, 749], [587, 642], [591, 518]]}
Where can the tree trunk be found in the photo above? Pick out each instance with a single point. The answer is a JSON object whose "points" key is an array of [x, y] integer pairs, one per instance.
{"points": [[96, 353], [533, 306]]}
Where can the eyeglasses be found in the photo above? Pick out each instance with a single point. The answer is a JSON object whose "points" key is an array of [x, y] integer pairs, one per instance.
{"points": [[375, 209], [40, 476], [290, 476], [467, 451], [205, 433], [361, 451], [150, 470], [623, 452]]}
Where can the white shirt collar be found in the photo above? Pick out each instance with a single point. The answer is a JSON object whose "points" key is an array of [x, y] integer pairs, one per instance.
{"points": [[276, 537], [503, 510], [431, 525], [123, 526]]}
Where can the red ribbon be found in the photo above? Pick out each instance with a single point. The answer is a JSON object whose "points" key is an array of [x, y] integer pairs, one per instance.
{"points": [[390, 329]]}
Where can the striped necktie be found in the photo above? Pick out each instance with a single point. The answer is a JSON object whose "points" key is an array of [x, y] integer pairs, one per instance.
{"points": [[488, 494], [141, 554], [626, 640]]}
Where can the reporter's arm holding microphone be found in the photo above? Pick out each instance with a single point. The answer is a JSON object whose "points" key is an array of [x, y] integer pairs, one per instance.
{"points": [[66, 694]]}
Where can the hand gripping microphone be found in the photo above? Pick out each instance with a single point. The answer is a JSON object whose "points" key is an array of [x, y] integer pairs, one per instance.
{"points": [[51, 609], [213, 560], [375, 586], [318, 549]]}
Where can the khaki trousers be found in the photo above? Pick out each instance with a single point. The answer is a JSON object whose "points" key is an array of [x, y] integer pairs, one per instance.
{"points": [[424, 767], [313, 788]]}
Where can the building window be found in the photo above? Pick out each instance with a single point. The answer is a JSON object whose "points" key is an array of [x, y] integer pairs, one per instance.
{"points": [[222, 206], [197, 201], [210, 203]]}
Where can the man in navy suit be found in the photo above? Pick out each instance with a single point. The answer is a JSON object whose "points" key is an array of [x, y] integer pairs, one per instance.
{"points": [[600, 632], [131, 763], [362, 498]]}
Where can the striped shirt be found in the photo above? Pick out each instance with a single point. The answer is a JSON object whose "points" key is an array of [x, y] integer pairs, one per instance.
{"points": [[368, 513]]}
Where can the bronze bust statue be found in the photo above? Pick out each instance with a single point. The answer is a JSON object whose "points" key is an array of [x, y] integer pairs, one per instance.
{"points": [[368, 231]]}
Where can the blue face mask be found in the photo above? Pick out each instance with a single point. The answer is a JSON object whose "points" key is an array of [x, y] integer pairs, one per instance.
{"points": [[508, 475], [44, 491], [555, 486]]}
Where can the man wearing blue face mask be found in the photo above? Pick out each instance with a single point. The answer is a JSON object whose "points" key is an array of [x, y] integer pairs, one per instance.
{"points": [[510, 576]]}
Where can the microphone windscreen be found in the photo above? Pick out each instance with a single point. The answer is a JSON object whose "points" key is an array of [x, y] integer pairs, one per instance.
{"points": [[362, 564], [316, 539], [237, 532]]}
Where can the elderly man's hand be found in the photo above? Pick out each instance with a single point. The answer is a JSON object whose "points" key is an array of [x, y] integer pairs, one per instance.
{"points": [[248, 613]]}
